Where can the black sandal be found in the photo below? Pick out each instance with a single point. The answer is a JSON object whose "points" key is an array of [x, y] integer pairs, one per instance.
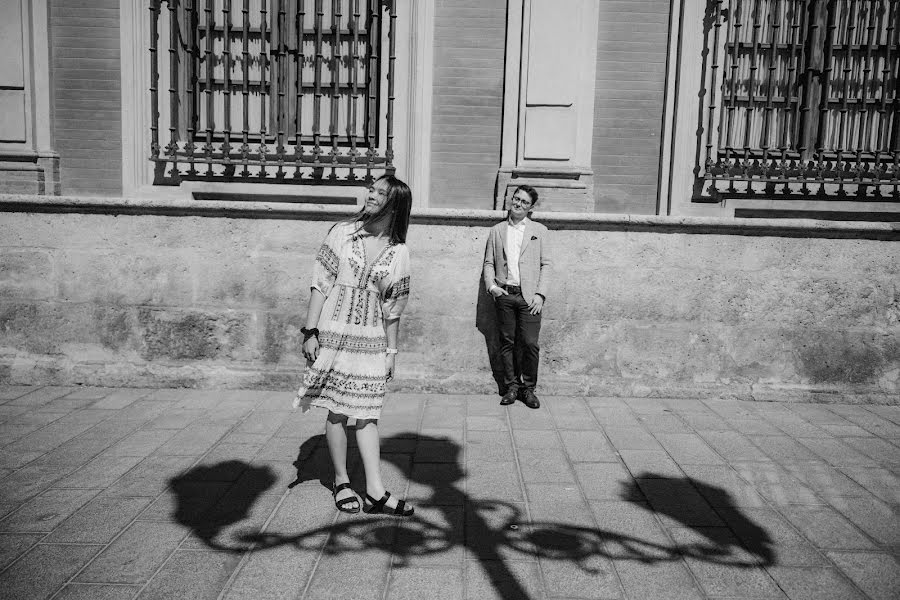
{"points": [[342, 503], [373, 506]]}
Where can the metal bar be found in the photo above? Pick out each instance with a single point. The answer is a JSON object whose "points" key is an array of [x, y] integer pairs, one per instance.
{"points": [[774, 26], [174, 100], [825, 78], [714, 66], [208, 58], [280, 81], [263, 65], [301, 58], [155, 7], [751, 84], [191, 83], [226, 60], [392, 58], [813, 63], [868, 67], [792, 83], [882, 142], [735, 30], [317, 78], [845, 92], [354, 85], [335, 73], [245, 53], [374, 39]]}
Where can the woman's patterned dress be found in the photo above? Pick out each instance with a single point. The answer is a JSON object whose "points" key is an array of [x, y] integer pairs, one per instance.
{"points": [[349, 376]]}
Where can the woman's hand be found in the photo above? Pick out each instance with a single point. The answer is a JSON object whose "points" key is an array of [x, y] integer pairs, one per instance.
{"points": [[311, 348], [389, 361]]}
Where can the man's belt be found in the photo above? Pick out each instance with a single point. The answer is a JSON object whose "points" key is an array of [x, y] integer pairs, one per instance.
{"points": [[512, 289]]}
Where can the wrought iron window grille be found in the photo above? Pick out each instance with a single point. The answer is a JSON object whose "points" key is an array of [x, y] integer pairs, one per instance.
{"points": [[801, 98], [293, 91]]}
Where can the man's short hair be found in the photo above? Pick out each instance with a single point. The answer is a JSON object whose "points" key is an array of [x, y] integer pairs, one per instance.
{"points": [[532, 193]]}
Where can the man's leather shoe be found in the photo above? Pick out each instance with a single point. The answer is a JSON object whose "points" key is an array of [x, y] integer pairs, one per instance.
{"points": [[511, 395], [530, 400]]}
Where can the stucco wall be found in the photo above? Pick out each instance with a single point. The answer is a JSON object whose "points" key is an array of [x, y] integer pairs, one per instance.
{"points": [[149, 300]]}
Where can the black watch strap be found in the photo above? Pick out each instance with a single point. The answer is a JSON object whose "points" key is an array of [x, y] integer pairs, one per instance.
{"points": [[308, 333]]}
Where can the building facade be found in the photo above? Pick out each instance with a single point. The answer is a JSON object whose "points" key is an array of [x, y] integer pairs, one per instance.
{"points": [[190, 138]]}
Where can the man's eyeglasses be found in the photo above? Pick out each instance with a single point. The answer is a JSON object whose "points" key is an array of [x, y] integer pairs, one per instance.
{"points": [[520, 202]]}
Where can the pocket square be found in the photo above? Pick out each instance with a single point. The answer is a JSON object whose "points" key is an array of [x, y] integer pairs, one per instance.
{"points": [[534, 237]]}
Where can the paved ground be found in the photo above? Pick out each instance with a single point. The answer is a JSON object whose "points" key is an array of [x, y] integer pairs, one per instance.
{"points": [[121, 493]]}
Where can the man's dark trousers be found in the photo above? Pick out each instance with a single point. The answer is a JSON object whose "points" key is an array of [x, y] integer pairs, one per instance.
{"points": [[519, 347]]}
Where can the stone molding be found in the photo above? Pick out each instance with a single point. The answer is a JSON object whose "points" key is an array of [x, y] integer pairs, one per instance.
{"points": [[464, 217]]}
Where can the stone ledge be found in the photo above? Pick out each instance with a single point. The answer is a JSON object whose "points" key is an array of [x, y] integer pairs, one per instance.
{"points": [[249, 209]]}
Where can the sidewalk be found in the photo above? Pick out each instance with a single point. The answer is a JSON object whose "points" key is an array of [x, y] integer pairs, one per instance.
{"points": [[124, 493]]}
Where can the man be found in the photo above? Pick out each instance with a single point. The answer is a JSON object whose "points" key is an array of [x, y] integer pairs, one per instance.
{"points": [[517, 275]]}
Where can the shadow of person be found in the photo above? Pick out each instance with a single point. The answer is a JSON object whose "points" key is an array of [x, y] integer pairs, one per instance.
{"points": [[207, 500], [690, 501], [313, 463], [486, 323]]}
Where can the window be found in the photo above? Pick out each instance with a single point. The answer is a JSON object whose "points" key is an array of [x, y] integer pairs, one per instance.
{"points": [[803, 93], [272, 90]]}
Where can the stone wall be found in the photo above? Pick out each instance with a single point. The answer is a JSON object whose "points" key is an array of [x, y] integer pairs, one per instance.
{"points": [[205, 301]]}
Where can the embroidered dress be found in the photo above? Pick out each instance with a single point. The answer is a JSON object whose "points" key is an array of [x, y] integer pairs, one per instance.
{"points": [[349, 375]]}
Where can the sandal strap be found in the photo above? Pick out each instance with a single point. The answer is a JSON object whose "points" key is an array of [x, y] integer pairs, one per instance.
{"points": [[401, 507], [378, 505], [346, 501], [341, 486]]}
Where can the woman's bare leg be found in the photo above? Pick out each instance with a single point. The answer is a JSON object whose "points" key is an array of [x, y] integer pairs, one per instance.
{"points": [[370, 451], [336, 436]]}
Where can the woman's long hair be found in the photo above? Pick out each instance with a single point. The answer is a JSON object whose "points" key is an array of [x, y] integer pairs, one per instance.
{"points": [[398, 203]]}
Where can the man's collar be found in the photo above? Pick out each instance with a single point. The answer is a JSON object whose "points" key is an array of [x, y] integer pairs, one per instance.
{"points": [[521, 224]]}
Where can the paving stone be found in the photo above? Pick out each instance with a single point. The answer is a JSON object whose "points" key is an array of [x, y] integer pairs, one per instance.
{"points": [[10, 461], [522, 417], [545, 466], [878, 575], [733, 446], [492, 481], [440, 413], [650, 463], [588, 446], [193, 441], [306, 512], [793, 425], [766, 533], [20, 426], [678, 503], [99, 521], [873, 516], [436, 450], [603, 481], [826, 528], [754, 427], [441, 483], [882, 451], [825, 480], [43, 570], [175, 418], [229, 461], [415, 583], [615, 417], [486, 423], [30, 481], [570, 413], [721, 486], [502, 580], [816, 414], [188, 502], [657, 580], [631, 531], [836, 453], [100, 472], [775, 484], [664, 423], [631, 438], [868, 420], [134, 556], [498, 531], [141, 443], [275, 573], [724, 580], [482, 446], [11, 392], [41, 396], [579, 576], [812, 583], [60, 431], [880, 482], [536, 440], [557, 504], [845, 430], [45, 511], [782, 448], [191, 575], [150, 476], [263, 422], [688, 448], [235, 522], [8, 413], [892, 413], [705, 421], [14, 545], [730, 409], [484, 405], [118, 399], [339, 579], [94, 591]]}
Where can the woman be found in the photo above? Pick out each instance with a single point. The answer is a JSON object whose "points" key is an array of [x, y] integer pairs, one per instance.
{"points": [[360, 287]]}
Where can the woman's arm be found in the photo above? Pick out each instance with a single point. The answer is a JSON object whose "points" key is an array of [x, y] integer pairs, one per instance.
{"points": [[391, 331], [313, 312]]}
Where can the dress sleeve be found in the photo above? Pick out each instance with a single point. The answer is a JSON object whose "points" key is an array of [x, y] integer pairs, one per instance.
{"points": [[396, 293], [328, 259]]}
